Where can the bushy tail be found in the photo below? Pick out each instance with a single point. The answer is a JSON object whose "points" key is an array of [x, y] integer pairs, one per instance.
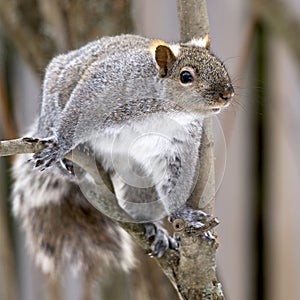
{"points": [[62, 229]]}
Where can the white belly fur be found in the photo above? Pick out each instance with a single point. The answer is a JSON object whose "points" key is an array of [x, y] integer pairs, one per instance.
{"points": [[137, 153]]}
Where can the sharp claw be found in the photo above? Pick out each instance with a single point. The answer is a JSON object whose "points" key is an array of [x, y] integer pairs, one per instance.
{"points": [[150, 230], [197, 224], [47, 156], [37, 163], [49, 163], [160, 254], [209, 236]]}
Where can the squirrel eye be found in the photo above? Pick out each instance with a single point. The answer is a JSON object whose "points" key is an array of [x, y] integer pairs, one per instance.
{"points": [[186, 77]]}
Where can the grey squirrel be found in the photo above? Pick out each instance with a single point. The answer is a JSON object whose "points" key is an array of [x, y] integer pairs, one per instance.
{"points": [[139, 103]]}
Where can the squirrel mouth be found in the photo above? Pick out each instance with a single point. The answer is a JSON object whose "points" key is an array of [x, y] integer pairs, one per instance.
{"points": [[217, 109]]}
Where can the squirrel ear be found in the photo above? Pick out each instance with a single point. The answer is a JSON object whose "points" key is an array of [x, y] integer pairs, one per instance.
{"points": [[207, 42], [165, 58]]}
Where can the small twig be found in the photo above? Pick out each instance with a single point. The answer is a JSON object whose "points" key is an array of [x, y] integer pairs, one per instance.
{"points": [[20, 146], [208, 225], [179, 225]]}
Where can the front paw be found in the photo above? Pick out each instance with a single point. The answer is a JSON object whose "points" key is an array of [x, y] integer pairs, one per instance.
{"points": [[193, 217], [48, 156], [162, 241]]}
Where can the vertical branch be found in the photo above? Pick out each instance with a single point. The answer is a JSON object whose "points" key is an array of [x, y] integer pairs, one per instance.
{"points": [[197, 267], [193, 20]]}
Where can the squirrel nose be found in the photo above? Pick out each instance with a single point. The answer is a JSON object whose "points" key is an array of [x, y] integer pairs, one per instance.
{"points": [[227, 93]]}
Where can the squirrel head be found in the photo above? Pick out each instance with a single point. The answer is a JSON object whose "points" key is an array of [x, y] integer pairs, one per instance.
{"points": [[192, 76]]}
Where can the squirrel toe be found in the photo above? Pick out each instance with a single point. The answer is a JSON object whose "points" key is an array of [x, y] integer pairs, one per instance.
{"points": [[162, 241], [48, 156]]}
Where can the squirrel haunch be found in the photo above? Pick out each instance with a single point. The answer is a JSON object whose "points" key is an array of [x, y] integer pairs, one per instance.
{"points": [[139, 104]]}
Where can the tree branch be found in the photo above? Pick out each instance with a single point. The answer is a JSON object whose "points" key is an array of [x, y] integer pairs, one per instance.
{"points": [[20, 146], [193, 19], [171, 262], [197, 266]]}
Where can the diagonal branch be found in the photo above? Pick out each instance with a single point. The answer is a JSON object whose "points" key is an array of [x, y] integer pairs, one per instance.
{"points": [[171, 262]]}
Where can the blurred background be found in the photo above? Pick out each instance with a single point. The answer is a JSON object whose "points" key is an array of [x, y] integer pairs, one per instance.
{"points": [[257, 152]]}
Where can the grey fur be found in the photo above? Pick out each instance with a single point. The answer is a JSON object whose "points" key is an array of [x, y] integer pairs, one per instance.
{"points": [[117, 94]]}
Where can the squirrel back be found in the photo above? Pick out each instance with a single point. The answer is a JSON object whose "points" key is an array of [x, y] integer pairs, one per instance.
{"points": [[65, 71]]}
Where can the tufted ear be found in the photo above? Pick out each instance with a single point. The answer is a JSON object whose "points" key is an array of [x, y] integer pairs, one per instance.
{"points": [[164, 58], [202, 42]]}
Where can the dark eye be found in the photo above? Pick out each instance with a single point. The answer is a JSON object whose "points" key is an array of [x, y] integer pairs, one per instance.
{"points": [[186, 77]]}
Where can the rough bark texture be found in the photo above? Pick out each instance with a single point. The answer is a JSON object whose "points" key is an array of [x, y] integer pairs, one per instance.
{"points": [[193, 19], [19, 146], [187, 272], [196, 277]]}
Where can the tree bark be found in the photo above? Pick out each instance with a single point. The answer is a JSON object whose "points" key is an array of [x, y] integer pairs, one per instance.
{"points": [[178, 268], [196, 275]]}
